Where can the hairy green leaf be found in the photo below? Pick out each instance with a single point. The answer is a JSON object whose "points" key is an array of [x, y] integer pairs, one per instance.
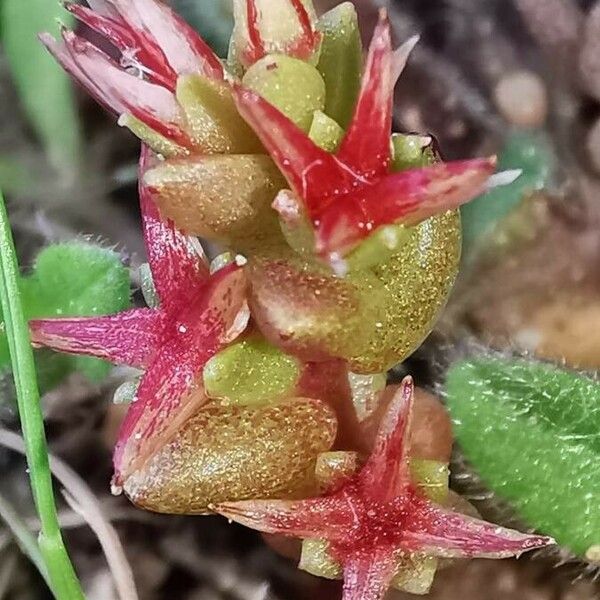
{"points": [[72, 279], [532, 431]]}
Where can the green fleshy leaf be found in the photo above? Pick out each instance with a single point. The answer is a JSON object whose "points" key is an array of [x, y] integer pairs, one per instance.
{"points": [[325, 132], [251, 372], [412, 151], [530, 152], [378, 247], [44, 88], [159, 143], [293, 86], [340, 62], [531, 431], [72, 279]]}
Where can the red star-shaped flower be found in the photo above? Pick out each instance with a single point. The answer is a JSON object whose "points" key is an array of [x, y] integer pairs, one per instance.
{"points": [[197, 315], [155, 45], [350, 193], [378, 514]]}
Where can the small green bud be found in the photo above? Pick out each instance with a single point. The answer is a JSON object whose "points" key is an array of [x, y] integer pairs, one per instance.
{"points": [[325, 132], [293, 86], [251, 372]]}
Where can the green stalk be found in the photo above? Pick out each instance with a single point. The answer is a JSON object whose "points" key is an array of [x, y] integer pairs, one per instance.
{"points": [[63, 579]]}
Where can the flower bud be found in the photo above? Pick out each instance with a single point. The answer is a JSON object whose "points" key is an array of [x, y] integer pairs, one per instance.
{"points": [[273, 27]]}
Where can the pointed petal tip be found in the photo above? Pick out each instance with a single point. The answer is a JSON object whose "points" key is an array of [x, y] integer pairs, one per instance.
{"points": [[243, 511], [408, 384], [382, 15], [46, 38], [401, 56], [504, 178]]}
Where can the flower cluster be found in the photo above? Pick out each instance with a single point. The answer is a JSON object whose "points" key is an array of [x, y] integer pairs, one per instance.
{"points": [[261, 368]]}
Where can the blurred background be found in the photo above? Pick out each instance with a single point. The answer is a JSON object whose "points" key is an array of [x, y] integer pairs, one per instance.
{"points": [[519, 78]]}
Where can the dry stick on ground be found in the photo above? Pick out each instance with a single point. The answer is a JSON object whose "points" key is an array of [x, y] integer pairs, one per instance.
{"points": [[82, 499]]}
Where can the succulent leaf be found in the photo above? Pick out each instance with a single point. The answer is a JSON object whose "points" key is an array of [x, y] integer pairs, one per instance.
{"points": [[251, 372], [213, 123], [325, 132], [224, 453], [340, 61], [293, 86]]}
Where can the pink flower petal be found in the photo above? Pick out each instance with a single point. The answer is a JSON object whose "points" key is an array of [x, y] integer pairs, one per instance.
{"points": [[179, 270], [113, 87], [164, 394], [184, 49], [167, 395], [406, 197], [303, 518], [368, 576], [130, 338], [138, 50], [445, 533], [386, 475], [401, 56], [366, 146], [159, 27], [104, 7], [314, 174]]}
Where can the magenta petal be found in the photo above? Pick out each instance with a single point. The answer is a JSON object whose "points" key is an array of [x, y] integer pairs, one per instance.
{"points": [[406, 197], [184, 49], [366, 146], [109, 84], [328, 517], [166, 396], [400, 57], [386, 474], [129, 338], [163, 402], [450, 534], [315, 175], [368, 576], [139, 51], [179, 268], [115, 30]]}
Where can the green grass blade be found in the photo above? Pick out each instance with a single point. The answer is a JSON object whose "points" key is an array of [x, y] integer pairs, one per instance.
{"points": [[44, 88], [64, 582]]}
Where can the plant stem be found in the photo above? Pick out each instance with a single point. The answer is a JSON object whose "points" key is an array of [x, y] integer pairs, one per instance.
{"points": [[63, 579]]}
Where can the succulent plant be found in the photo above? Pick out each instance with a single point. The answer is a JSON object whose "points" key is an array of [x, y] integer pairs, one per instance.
{"points": [[262, 371]]}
